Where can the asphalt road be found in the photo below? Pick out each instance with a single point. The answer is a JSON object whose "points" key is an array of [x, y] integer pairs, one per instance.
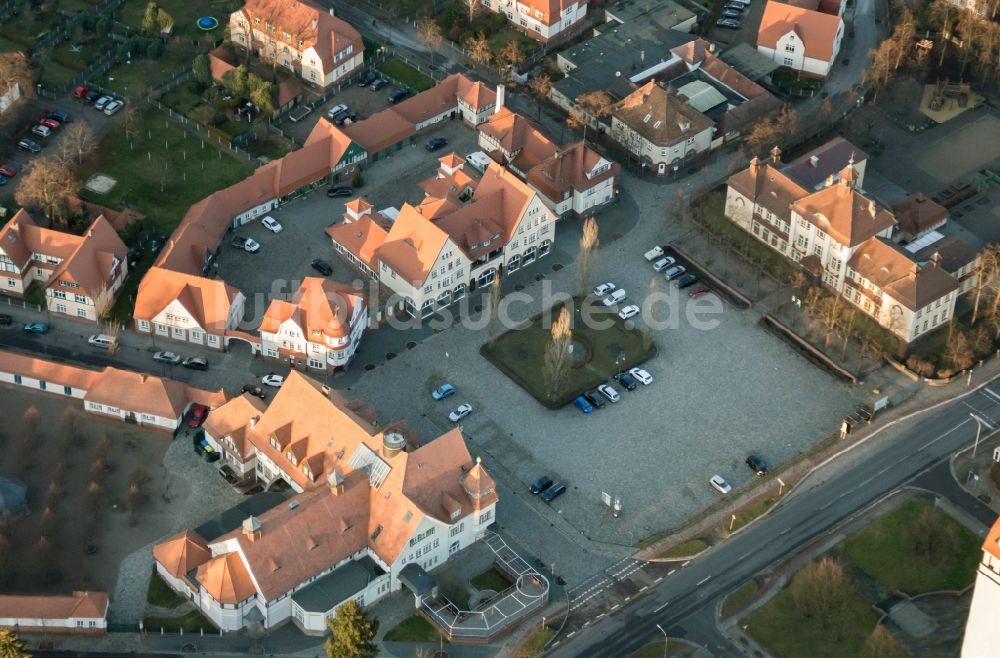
{"points": [[684, 602]]}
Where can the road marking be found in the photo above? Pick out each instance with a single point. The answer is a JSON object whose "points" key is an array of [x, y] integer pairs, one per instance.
{"points": [[644, 588], [669, 573], [827, 505], [991, 393], [703, 581], [685, 564], [783, 532], [662, 607], [616, 606]]}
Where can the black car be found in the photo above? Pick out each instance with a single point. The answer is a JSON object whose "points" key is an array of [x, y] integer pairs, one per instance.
{"points": [[540, 485], [378, 84], [757, 465], [29, 145], [255, 391], [553, 492], [195, 363], [92, 96], [686, 280], [626, 380], [398, 95], [436, 143], [367, 78], [341, 117], [5, 320], [595, 398], [340, 192], [322, 267]]}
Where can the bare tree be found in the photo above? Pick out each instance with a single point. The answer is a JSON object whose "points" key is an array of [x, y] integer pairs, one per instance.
{"points": [[957, 351], [15, 69], [478, 49], [819, 588], [32, 419], [881, 644], [591, 106], [47, 187], [493, 320], [113, 328], [677, 214], [541, 87], [556, 360], [931, 536], [511, 54], [586, 260], [429, 34], [92, 498], [472, 6], [77, 144], [987, 276]]}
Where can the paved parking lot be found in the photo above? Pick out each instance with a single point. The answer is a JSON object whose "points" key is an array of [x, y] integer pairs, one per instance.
{"points": [[362, 100]]}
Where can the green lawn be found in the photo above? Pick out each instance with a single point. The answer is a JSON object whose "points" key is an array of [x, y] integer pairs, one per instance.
{"points": [[413, 629], [78, 60], [28, 26], [126, 78], [519, 353], [192, 622], [184, 12], [688, 548], [188, 168], [406, 74], [535, 642], [749, 514], [160, 594], [490, 579], [183, 98], [786, 633], [55, 76], [739, 597], [883, 551]]}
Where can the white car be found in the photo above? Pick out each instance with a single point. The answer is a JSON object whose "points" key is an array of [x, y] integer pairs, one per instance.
{"points": [[271, 224], [42, 131], [272, 380], [615, 297], [167, 357], [609, 392], [251, 245], [628, 312], [664, 263], [460, 412], [102, 102], [112, 108], [335, 110], [604, 288], [719, 484], [653, 253], [641, 376]]}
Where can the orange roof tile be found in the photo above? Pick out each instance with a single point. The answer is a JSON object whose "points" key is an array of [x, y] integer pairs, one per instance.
{"points": [[181, 553], [207, 300], [847, 215], [916, 213], [362, 238], [412, 245], [96, 262], [380, 130], [47, 371], [818, 31], [319, 307], [659, 115], [765, 185], [225, 578], [567, 171], [79, 605], [888, 267], [992, 542], [519, 137]]}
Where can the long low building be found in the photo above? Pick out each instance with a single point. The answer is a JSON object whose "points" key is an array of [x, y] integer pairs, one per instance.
{"points": [[77, 613], [146, 400]]}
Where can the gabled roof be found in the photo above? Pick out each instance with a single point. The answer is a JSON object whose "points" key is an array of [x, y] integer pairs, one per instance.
{"points": [[827, 160], [79, 605], [92, 265], [660, 116], [47, 371], [412, 245], [844, 213], [207, 300], [319, 307], [519, 136], [226, 579], [362, 238], [141, 392], [381, 130], [818, 31], [992, 542], [567, 170], [767, 186], [300, 167], [888, 267], [916, 213]]}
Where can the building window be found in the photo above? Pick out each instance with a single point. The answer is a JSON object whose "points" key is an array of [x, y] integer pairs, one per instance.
{"points": [[789, 47], [788, 61], [68, 390]]}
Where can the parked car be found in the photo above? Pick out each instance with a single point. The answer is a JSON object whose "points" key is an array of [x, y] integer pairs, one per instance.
{"points": [[272, 379], [728, 23], [340, 192], [686, 281], [102, 102], [553, 492], [757, 465], [663, 263], [674, 272], [39, 328], [731, 13], [198, 414], [246, 244], [595, 398], [80, 92], [614, 297], [698, 291], [436, 143], [3, 180], [460, 412], [628, 312], [59, 116], [398, 95], [255, 391], [626, 380], [342, 117], [378, 84], [271, 224], [604, 288], [443, 391], [540, 485], [29, 145], [653, 254], [211, 454], [641, 376], [167, 357], [335, 110], [368, 77], [321, 266], [195, 363], [8, 171], [92, 95], [738, 7], [112, 108], [51, 124], [719, 484], [41, 131], [583, 404], [5, 320], [608, 391]]}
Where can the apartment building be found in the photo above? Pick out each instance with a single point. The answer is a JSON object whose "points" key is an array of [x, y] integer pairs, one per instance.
{"points": [[804, 36], [369, 511], [542, 20], [299, 36], [847, 240], [320, 326], [81, 274]]}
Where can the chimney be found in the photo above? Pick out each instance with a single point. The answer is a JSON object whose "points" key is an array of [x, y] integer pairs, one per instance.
{"points": [[331, 12], [776, 155], [501, 97], [814, 160], [251, 528], [336, 482], [711, 47], [829, 180], [253, 421], [754, 165]]}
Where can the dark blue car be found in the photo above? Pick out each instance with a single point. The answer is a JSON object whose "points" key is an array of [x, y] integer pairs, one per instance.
{"points": [[626, 380], [36, 328]]}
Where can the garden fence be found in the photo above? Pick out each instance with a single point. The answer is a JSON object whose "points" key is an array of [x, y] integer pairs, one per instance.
{"points": [[204, 132], [99, 67], [14, 301]]}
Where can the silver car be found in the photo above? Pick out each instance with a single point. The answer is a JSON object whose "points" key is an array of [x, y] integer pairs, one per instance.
{"points": [[674, 272]]}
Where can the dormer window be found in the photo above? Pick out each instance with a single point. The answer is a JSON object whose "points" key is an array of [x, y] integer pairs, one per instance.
{"points": [[274, 442], [291, 458], [455, 514]]}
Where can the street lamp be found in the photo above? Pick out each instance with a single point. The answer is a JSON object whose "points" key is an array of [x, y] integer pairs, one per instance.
{"points": [[664, 640], [979, 428], [620, 360]]}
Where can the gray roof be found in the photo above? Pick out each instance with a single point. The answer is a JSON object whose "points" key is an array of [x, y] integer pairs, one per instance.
{"points": [[663, 13], [744, 58], [341, 584], [234, 517], [416, 580]]}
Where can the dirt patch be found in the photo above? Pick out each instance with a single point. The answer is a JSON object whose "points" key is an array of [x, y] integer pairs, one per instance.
{"points": [[100, 183], [97, 491]]}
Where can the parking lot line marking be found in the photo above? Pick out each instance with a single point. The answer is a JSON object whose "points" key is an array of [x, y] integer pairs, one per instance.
{"points": [[628, 598], [827, 505], [784, 532], [992, 394], [644, 588], [669, 573], [662, 607], [616, 606], [571, 635], [703, 581]]}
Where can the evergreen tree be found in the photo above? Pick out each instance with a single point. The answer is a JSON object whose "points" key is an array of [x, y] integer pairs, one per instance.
{"points": [[352, 633]]}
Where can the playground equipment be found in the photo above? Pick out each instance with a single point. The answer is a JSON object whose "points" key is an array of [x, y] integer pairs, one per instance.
{"points": [[208, 23], [945, 91], [985, 178]]}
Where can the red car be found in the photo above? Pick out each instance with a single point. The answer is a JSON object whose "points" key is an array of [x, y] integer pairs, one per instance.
{"points": [[7, 171], [198, 414], [80, 92], [697, 291], [49, 123]]}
